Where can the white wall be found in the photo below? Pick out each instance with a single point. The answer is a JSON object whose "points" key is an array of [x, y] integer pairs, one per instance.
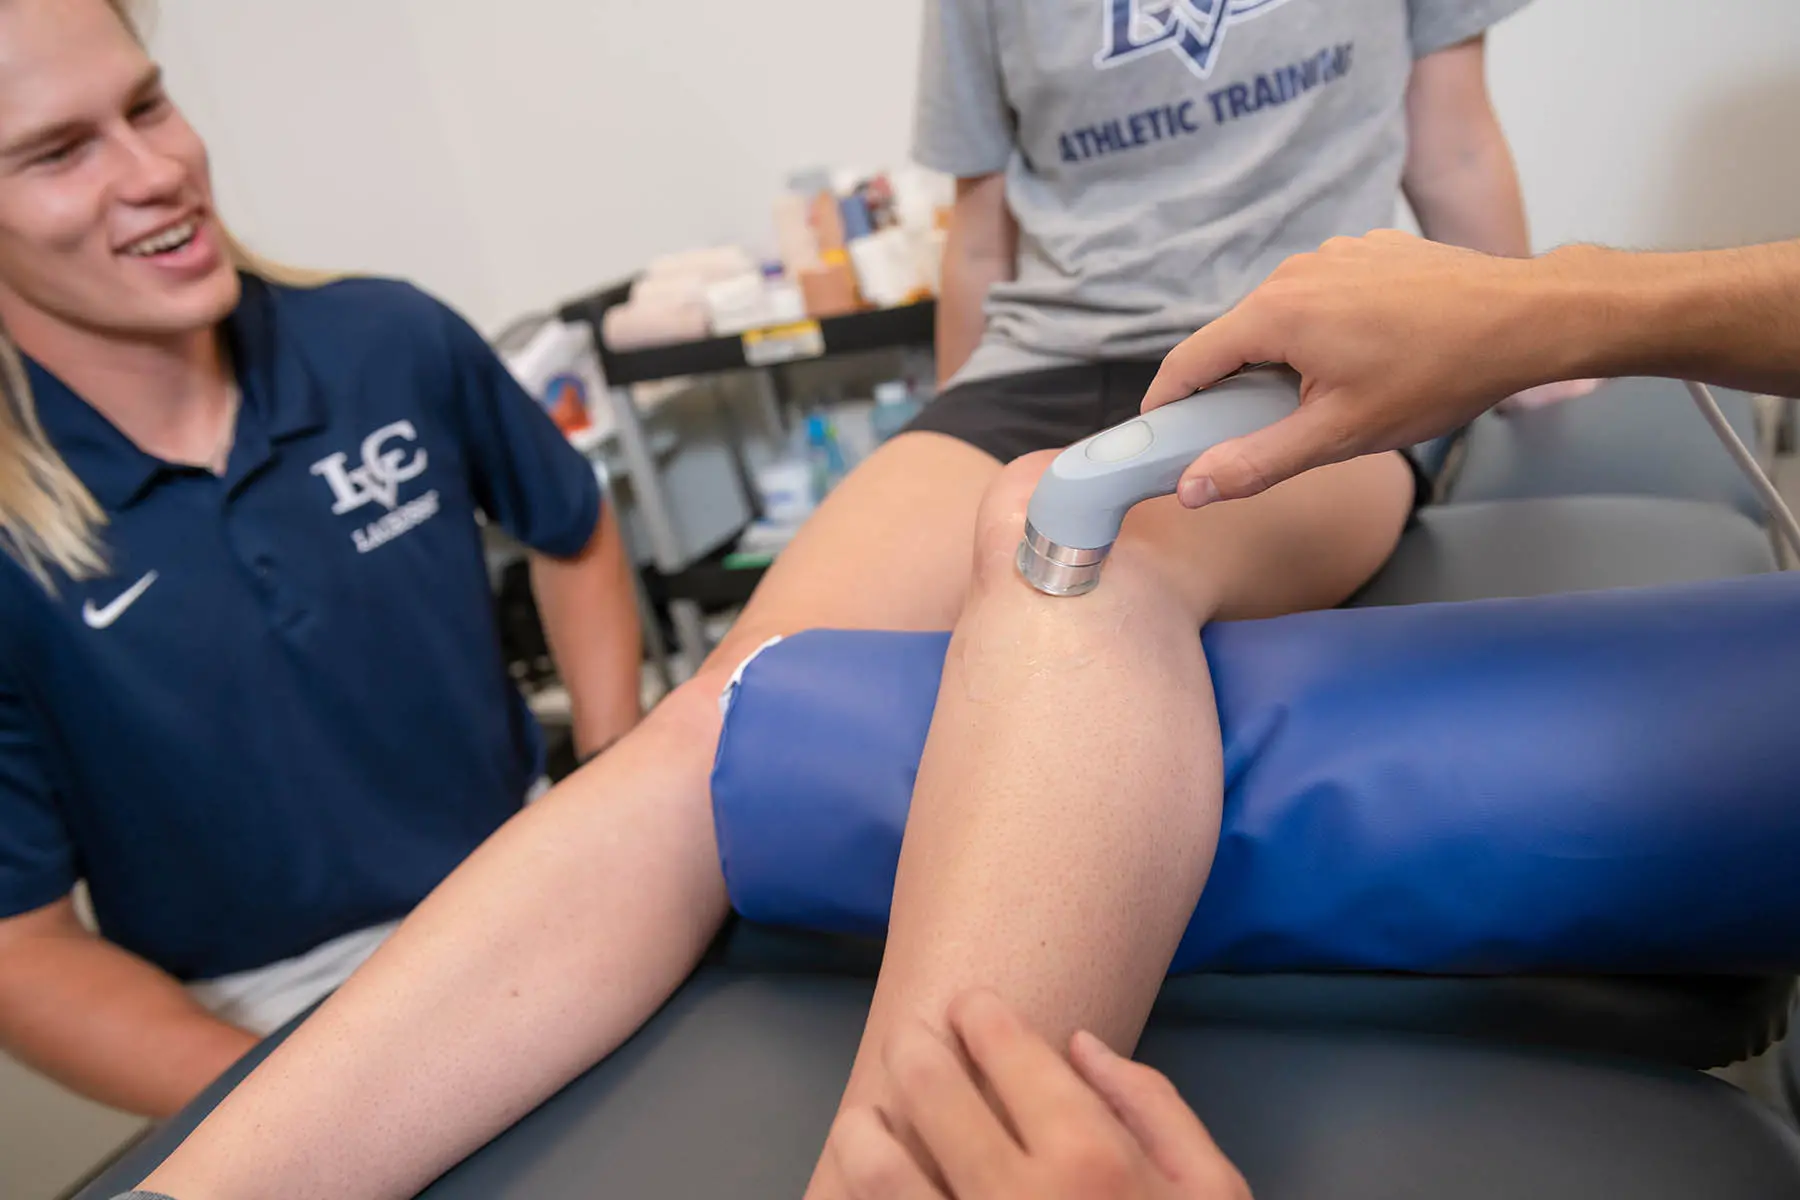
{"points": [[1655, 123], [593, 133], [327, 149], [510, 155]]}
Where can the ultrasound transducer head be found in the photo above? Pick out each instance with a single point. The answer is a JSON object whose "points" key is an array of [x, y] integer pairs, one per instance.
{"points": [[1081, 501]]}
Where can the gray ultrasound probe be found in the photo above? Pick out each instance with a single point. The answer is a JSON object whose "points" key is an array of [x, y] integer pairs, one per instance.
{"points": [[1081, 501]]}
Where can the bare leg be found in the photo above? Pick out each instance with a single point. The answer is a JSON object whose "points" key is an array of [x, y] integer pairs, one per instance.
{"points": [[563, 933], [1067, 808]]}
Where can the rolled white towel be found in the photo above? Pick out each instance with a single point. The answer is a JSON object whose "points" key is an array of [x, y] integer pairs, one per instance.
{"points": [[636, 325]]}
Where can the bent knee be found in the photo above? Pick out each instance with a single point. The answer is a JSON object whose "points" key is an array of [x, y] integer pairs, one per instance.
{"points": [[689, 718], [1307, 543], [1000, 524]]}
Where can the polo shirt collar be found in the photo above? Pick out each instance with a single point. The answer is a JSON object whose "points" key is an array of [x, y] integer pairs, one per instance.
{"points": [[279, 394], [271, 369], [108, 462]]}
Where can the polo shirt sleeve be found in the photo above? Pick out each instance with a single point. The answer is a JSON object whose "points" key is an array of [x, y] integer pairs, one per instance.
{"points": [[963, 125], [1439, 24], [37, 858], [525, 474]]}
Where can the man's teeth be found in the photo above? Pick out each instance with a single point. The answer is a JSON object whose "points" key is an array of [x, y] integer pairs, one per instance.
{"points": [[162, 243]]}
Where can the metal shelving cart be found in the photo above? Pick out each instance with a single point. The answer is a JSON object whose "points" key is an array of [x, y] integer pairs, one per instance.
{"points": [[682, 587]]}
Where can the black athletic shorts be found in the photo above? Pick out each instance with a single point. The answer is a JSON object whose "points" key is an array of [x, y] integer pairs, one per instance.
{"points": [[1014, 415]]}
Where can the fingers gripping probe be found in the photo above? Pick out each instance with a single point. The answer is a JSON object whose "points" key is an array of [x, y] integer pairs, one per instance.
{"points": [[1081, 501]]}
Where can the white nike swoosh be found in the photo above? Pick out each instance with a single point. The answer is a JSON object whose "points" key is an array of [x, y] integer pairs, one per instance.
{"points": [[103, 618]]}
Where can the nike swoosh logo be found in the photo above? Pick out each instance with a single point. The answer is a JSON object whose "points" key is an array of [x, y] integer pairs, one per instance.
{"points": [[104, 618]]}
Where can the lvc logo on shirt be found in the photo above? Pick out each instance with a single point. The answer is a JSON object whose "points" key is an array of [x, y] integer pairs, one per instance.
{"points": [[385, 466], [1194, 29]]}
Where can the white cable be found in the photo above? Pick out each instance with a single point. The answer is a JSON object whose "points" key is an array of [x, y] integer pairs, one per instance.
{"points": [[1746, 461]]}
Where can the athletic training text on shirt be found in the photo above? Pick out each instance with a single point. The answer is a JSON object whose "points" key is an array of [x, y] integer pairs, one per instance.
{"points": [[1230, 103]]}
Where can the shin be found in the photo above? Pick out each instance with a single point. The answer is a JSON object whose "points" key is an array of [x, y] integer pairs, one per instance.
{"points": [[1067, 806]]}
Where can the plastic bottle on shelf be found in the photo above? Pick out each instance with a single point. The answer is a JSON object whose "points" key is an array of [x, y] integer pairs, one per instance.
{"points": [[785, 489], [895, 407], [824, 455]]}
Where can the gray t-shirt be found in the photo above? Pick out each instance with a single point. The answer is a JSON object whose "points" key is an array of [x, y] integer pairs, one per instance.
{"points": [[1162, 157]]}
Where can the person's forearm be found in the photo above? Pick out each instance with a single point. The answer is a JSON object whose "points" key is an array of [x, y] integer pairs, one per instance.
{"points": [[981, 250], [1401, 340], [589, 610], [110, 1026], [961, 314], [1727, 317], [1467, 194]]}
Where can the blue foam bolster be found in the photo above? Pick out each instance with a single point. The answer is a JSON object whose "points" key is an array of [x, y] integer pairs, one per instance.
{"points": [[1602, 782]]}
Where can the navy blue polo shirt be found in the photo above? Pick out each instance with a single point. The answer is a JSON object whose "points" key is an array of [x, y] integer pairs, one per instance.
{"points": [[284, 714]]}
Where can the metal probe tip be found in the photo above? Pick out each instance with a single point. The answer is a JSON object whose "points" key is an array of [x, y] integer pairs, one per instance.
{"points": [[1058, 570]]}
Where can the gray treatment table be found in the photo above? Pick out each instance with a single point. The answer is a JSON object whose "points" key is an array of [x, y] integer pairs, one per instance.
{"points": [[729, 1092], [1319, 1087]]}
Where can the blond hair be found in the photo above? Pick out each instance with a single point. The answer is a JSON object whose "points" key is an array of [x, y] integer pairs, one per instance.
{"points": [[49, 520]]}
